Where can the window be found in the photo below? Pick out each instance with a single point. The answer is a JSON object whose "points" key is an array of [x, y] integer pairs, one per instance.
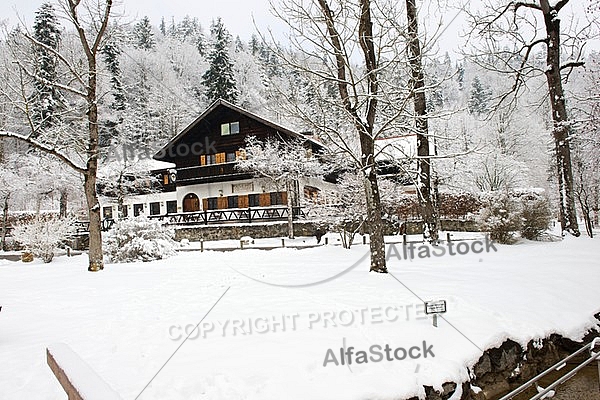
{"points": [[211, 159], [311, 193], [138, 209], [213, 203], [231, 128], [125, 211], [107, 212], [230, 157], [172, 207], [155, 208], [232, 202], [253, 200], [277, 199]]}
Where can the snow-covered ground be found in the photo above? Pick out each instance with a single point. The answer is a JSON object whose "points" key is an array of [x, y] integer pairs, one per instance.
{"points": [[270, 341]]}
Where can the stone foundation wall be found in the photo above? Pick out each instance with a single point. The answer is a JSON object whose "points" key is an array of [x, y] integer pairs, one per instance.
{"points": [[280, 229], [256, 231]]}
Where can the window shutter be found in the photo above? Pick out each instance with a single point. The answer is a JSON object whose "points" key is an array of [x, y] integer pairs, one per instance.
{"points": [[202, 159]]}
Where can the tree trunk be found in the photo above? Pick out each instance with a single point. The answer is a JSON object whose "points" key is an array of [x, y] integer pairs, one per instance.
{"points": [[96, 258], [561, 129], [290, 209], [375, 222], [425, 187], [4, 223], [363, 128], [64, 197]]}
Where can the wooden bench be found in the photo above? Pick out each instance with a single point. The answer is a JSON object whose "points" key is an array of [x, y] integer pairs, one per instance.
{"points": [[77, 378]]}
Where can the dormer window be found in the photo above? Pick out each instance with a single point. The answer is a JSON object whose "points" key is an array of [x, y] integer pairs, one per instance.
{"points": [[230, 128]]}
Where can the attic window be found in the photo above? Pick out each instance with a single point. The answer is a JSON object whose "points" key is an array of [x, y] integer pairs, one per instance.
{"points": [[231, 128]]}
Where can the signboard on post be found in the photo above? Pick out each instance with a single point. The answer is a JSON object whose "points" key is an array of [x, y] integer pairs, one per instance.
{"points": [[435, 308]]}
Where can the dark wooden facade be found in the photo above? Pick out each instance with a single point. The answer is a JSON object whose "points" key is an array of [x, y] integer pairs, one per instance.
{"points": [[202, 153]]}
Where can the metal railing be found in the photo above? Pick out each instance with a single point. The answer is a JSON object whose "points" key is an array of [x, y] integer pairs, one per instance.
{"points": [[594, 356]]}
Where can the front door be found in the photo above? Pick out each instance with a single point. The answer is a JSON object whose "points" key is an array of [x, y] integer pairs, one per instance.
{"points": [[191, 203]]}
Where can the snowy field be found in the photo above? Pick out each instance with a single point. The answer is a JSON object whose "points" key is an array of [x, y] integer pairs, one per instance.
{"points": [[270, 340]]}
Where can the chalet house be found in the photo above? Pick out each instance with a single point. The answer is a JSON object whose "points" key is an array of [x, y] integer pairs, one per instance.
{"points": [[197, 168]]}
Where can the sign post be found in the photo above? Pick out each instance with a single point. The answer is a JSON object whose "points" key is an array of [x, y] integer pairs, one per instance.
{"points": [[435, 307]]}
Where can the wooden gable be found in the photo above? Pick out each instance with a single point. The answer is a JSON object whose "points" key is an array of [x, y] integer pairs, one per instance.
{"points": [[203, 138]]}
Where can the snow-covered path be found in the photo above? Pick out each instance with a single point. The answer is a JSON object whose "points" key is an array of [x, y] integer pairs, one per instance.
{"points": [[125, 321]]}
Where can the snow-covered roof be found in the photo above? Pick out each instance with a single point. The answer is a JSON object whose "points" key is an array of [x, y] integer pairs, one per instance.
{"points": [[396, 147], [108, 168]]}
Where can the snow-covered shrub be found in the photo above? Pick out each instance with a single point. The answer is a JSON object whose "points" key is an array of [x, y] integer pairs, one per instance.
{"points": [[139, 239], [42, 235], [536, 217], [501, 217]]}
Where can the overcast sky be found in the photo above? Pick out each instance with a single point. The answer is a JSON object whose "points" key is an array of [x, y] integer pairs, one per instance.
{"points": [[238, 15]]}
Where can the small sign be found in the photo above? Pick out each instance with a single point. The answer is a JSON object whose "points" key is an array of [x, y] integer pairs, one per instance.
{"points": [[435, 307]]}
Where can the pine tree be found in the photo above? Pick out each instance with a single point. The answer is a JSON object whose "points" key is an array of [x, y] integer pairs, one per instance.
{"points": [[163, 27], [46, 99], [144, 37], [479, 98], [111, 52], [218, 79]]}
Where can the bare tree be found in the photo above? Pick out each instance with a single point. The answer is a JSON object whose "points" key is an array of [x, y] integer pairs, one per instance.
{"points": [[518, 23], [351, 55], [426, 185], [90, 21]]}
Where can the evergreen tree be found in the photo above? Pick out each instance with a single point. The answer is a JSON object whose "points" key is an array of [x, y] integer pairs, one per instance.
{"points": [[163, 26], [46, 99], [111, 52], [144, 37], [460, 76], [219, 80], [479, 98]]}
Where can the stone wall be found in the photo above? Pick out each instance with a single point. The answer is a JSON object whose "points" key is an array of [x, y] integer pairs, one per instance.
{"points": [[301, 228], [256, 231]]}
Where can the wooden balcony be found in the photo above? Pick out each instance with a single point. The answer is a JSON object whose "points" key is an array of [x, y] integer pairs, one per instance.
{"points": [[210, 173]]}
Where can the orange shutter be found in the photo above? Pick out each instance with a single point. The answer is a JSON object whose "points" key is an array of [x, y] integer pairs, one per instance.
{"points": [[220, 158], [284, 197], [243, 201], [204, 202], [222, 202], [202, 159], [264, 200], [166, 179]]}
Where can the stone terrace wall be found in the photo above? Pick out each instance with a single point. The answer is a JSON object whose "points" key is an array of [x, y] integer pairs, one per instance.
{"points": [[280, 229], [256, 231]]}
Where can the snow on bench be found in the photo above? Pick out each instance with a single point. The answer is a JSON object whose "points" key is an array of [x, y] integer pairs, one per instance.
{"points": [[77, 378]]}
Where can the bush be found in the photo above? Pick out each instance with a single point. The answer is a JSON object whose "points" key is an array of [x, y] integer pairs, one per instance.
{"points": [[501, 217], [536, 217], [42, 235], [139, 239]]}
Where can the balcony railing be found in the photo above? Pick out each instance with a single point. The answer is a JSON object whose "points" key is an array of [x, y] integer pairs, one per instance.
{"points": [[233, 215], [208, 171]]}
